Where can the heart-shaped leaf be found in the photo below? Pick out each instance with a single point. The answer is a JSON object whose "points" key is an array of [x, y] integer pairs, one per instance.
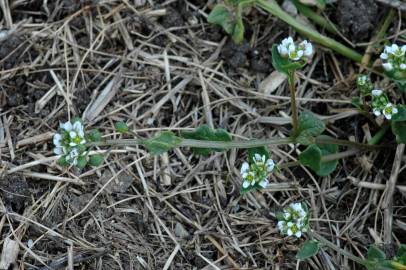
{"points": [[309, 249], [309, 128], [399, 130], [221, 15], [313, 155], [401, 114]]}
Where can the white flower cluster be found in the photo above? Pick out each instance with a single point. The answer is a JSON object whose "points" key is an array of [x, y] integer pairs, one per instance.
{"points": [[256, 173], [70, 141], [364, 84], [381, 105], [393, 58], [294, 220], [295, 52]]}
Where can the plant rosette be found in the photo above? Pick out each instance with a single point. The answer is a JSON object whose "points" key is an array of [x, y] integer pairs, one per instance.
{"points": [[381, 105], [393, 60], [293, 220], [71, 144]]}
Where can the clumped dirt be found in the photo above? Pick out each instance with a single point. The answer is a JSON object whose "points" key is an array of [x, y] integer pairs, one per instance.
{"points": [[15, 192], [357, 18]]}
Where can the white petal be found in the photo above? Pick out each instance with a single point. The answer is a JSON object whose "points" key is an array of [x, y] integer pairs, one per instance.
{"points": [[286, 215], [384, 56], [402, 66], [290, 224], [66, 126], [403, 48], [58, 151], [298, 234], [394, 110], [264, 183], [394, 48], [281, 225], [289, 232], [377, 112], [244, 167], [57, 139], [72, 144], [376, 92], [73, 134], [270, 165], [387, 66], [245, 184], [257, 157]]}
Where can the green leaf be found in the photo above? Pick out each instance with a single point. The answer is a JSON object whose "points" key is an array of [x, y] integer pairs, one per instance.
{"points": [[357, 102], [62, 161], [375, 254], [96, 160], [262, 151], [309, 127], [222, 16], [312, 158], [205, 133], [401, 254], [81, 162], [282, 64], [401, 115], [399, 130], [162, 143], [309, 249], [95, 135], [121, 127], [321, 4], [238, 33]]}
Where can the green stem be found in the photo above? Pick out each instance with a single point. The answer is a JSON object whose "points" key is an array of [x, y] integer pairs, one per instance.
{"points": [[379, 135], [237, 143], [320, 20], [331, 245], [272, 7], [293, 104]]}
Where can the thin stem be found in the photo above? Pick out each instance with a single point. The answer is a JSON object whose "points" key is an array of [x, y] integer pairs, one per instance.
{"points": [[320, 20], [272, 7], [238, 143], [293, 104], [327, 140], [334, 247], [379, 135]]}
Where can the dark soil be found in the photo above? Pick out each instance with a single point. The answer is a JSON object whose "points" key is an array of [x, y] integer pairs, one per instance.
{"points": [[357, 18], [15, 192]]}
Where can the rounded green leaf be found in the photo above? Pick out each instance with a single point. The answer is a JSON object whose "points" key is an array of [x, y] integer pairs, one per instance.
{"points": [[399, 130], [62, 161], [96, 160], [312, 157], [162, 143], [262, 151], [309, 249], [309, 127], [82, 161], [222, 16], [205, 133], [95, 135], [375, 254], [401, 115], [121, 127]]}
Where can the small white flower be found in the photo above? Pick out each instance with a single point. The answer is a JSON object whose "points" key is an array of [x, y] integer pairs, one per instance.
{"points": [[387, 66], [245, 184], [286, 215], [389, 111], [298, 234], [402, 66], [377, 92], [59, 150]]}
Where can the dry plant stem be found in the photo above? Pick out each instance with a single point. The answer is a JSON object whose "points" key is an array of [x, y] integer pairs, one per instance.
{"points": [[293, 105], [331, 245], [272, 7], [389, 191]]}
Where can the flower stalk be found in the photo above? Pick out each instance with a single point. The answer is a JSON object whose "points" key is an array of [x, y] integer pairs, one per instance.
{"points": [[293, 104]]}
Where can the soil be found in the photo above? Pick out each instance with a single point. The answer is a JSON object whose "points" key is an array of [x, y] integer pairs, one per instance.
{"points": [[358, 18], [142, 219]]}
